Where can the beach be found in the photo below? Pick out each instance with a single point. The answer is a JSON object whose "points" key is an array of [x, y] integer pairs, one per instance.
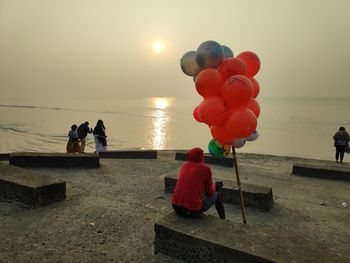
{"points": [[109, 213]]}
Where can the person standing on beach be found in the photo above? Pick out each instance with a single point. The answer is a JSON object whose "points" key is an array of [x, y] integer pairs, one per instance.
{"points": [[195, 178], [100, 137], [83, 130], [341, 141], [73, 140]]}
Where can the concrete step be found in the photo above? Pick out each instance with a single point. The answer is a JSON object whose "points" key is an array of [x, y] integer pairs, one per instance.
{"points": [[29, 188], [139, 154], [254, 196], [209, 239], [330, 172], [4, 156], [207, 159], [56, 160]]}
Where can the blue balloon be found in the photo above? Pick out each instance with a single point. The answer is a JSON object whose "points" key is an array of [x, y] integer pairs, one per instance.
{"points": [[227, 52], [209, 54], [254, 136], [238, 143]]}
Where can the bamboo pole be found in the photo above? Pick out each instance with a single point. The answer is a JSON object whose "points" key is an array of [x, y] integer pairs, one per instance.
{"points": [[239, 184]]}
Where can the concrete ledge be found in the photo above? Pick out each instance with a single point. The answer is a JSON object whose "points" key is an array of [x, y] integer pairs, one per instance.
{"points": [[4, 156], [142, 154], [209, 239], [322, 172], [207, 159], [254, 196], [29, 188], [57, 160]]}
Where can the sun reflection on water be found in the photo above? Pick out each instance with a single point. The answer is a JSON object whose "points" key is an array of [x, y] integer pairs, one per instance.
{"points": [[160, 120]]}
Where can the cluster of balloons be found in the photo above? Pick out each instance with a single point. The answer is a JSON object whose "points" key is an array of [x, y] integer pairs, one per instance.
{"points": [[229, 92]]}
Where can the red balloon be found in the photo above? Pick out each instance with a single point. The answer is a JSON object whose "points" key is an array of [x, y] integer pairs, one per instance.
{"points": [[252, 61], [256, 87], [221, 134], [253, 105], [196, 114], [212, 111], [231, 67], [209, 82], [237, 91], [241, 123]]}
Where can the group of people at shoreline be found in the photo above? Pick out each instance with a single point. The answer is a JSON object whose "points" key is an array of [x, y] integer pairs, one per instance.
{"points": [[77, 137]]}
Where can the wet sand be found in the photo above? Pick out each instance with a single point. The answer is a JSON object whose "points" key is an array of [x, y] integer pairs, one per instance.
{"points": [[109, 213]]}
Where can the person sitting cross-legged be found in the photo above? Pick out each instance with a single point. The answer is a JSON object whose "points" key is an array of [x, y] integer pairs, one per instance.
{"points": [[195, 178]]}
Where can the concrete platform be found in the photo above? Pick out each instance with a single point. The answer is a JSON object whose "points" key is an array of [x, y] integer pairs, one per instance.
{"points": [[29, 188], [207, 159], [4, 156], [56, 160], [140, 154], [209, 239], [330, 172], [258, 197]]}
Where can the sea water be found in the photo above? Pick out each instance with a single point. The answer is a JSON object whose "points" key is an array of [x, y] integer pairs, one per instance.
{"points": [[301, 127]]}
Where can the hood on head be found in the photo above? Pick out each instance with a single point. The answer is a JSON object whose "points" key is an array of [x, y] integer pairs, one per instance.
{"points": [[195, 155]]}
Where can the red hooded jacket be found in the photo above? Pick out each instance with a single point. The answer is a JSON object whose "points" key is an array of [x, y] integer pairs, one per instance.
{"points": [[194, 179]]}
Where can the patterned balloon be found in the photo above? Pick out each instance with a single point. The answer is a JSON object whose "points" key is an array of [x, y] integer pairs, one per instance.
{"points": [[189, 65]]}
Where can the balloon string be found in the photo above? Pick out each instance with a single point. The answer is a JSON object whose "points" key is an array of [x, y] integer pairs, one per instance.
{"points": [[239, 184]]}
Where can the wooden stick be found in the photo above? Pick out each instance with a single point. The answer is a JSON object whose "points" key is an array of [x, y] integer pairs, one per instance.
{"points": [[239, 184]]}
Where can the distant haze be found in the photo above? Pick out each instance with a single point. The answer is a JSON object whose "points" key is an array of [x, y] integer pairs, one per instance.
{"points": [[102, 49]]}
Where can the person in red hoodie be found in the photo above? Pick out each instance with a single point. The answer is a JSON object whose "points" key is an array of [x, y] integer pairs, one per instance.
{"points": [[195, 178]]}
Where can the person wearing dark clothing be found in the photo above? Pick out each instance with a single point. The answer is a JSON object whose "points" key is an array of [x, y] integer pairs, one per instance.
{"points": [[83, 131], [73, 140], [195, 178], [341, 141], [100, 137]]}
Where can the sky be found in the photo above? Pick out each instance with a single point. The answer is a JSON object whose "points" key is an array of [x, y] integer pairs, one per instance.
{"points": [[102, 48]]}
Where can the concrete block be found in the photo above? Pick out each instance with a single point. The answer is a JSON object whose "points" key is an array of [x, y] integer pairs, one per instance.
{"points": [[141, 154], [258, 197], [54, 160], [30, 188], [322, 172], [209, 239], [207, 159], [4, 156]]}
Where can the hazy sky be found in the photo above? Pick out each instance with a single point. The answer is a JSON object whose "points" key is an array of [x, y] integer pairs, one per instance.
{"points": [[102, 48]]}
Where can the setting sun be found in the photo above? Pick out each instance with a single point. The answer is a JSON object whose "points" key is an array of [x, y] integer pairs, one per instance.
{"points": [[161, 103], [158, 46]]}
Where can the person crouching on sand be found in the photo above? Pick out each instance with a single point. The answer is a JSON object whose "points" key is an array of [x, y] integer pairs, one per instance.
{"points": [[341, 141], [73, 141], [100, 137], [195, 178]]}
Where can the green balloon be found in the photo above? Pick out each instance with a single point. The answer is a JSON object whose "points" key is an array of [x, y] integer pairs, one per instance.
{"points": [[216, 149]]}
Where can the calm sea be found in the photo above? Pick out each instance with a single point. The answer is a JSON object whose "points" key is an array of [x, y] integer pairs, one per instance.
{"points": [[300, 127]]}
